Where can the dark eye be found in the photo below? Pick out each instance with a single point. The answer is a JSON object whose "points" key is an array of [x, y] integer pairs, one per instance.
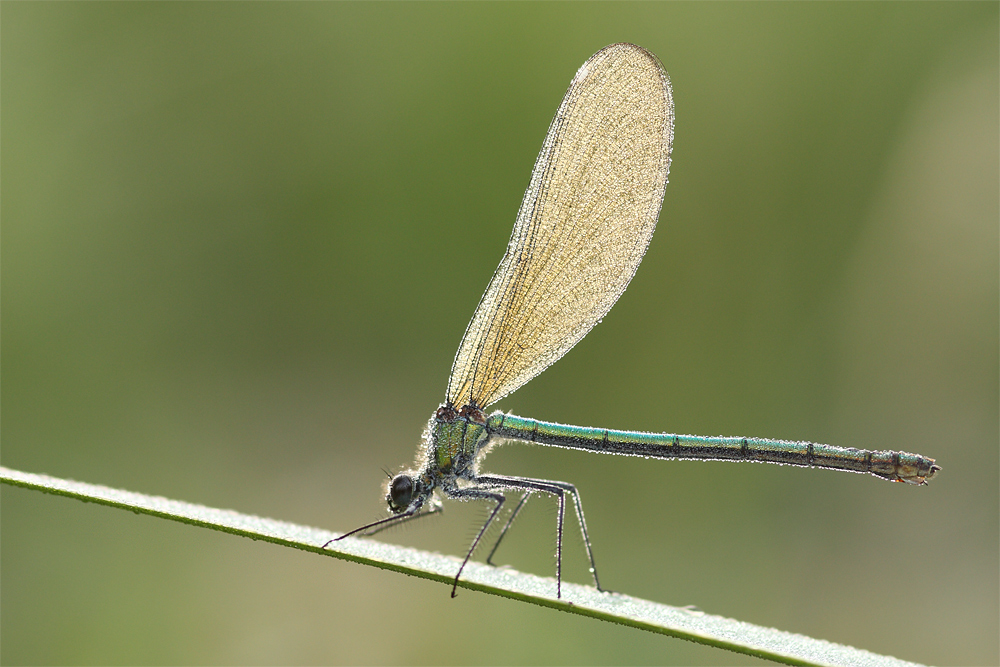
{"points": [[400, 492]]}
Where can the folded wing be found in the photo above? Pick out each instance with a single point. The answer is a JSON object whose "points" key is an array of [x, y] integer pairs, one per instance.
{"points": [[585, 222]]}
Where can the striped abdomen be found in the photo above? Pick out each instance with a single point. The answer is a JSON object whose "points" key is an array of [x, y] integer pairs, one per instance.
{"points": [[891, 465]]}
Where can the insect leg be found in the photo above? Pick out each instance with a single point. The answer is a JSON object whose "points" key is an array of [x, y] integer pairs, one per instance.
{"points": [[524, 499], [435, 508], [467, 493], [557, 489], [571, 490]]}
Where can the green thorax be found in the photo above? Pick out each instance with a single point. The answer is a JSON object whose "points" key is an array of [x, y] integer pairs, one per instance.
{"points": [[456, 442]]}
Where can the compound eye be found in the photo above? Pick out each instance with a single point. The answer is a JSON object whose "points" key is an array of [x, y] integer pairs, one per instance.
{"points": [[400, 492]]}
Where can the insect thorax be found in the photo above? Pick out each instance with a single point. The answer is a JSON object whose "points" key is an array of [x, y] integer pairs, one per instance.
{"points": [[456, 438]]}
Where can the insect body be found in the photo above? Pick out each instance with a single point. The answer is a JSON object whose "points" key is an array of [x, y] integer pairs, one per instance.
{"points": [[587, 217]]}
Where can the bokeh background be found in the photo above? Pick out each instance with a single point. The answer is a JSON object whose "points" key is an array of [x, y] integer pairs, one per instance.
{"points": [[241, 242]]}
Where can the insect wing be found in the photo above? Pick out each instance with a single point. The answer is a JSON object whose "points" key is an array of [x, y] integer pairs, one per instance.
{"points": [[585, 223]]}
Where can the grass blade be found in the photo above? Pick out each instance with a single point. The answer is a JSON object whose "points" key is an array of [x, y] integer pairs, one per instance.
{"points": [[679, 622]]}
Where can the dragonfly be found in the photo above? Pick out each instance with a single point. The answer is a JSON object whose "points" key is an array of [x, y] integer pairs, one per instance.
{"points": [[583, 227]]}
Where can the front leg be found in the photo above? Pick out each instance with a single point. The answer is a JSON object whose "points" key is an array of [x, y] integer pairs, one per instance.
{"points": [[433, 507]]}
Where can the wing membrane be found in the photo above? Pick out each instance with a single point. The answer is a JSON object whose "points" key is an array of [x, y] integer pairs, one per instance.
{"points": [[587, 217]]}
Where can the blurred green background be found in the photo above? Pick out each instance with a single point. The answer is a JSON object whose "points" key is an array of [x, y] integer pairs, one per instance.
{"points": [[241, 242]]}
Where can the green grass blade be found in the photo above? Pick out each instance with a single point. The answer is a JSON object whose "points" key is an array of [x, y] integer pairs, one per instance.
{"points": [[684, 623]]}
